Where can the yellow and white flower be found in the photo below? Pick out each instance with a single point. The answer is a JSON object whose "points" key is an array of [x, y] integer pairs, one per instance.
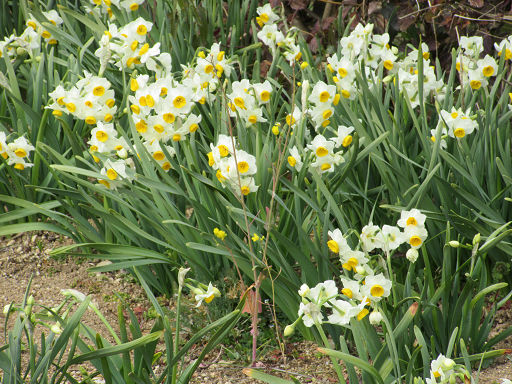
{"points": [[351, 259], [266, 15], [376, 287], [415, 235], [414, 218], [294, 159]]}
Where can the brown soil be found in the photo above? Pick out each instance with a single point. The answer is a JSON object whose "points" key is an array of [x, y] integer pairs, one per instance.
{"points": [[27, 255]]}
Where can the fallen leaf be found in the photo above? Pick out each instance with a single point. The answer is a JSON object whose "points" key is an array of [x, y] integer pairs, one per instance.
{"points": [[249, 303]]}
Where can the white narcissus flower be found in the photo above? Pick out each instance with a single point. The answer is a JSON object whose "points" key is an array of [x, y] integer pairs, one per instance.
{"points": [[442, 367], [415, 235], [414, 218], [323, 293], [21, 147], [505, 46], [351, 289], [263, 91], [266, 15], [375, 318], [391, 237], [351, 259], [488, 66], [311, 314], [376, 287], [294, 159], [114, 172], [343, 136], [4, 149], [369, 237], [208, 295], [320, 146], [444, 133], [472, 46], [342, 312], [271, 36], [322, 93], [245, 165], [338, 244]]}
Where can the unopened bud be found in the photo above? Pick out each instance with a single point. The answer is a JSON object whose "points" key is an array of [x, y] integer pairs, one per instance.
{"points": [[476, 239], [448, 364], [55, 328], [304, 65], [289, 330], [30, 303], [304, 290], [454, 244], [375, 317], [7, 308], [181, 276], [412, 255]]}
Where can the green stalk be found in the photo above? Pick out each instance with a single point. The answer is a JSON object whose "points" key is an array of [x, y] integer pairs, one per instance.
{"points": [[177, 335], [37, 154], [337, 367], [104, 321]]}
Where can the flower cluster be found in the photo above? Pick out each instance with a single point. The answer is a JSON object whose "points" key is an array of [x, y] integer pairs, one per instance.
{"points": [[17, 152], [114, 172], [362, 286], [444, 370], [53, 17], [210, 67], [389, 238], [326, 295], [30, 39], [271, 35], [246, 100], [234, 167], [472, 69], [90, 99], [360, 49], [126, 47], [455, 123], [409, 77], [321, 151], [102, 7], [322, 100]]}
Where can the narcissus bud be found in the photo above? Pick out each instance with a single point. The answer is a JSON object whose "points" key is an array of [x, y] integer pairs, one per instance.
{"points": [[289, 330]]}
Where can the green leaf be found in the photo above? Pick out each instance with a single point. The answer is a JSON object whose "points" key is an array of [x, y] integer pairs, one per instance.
{"points": [[258, 375], [355, 361], [118, 349]]}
